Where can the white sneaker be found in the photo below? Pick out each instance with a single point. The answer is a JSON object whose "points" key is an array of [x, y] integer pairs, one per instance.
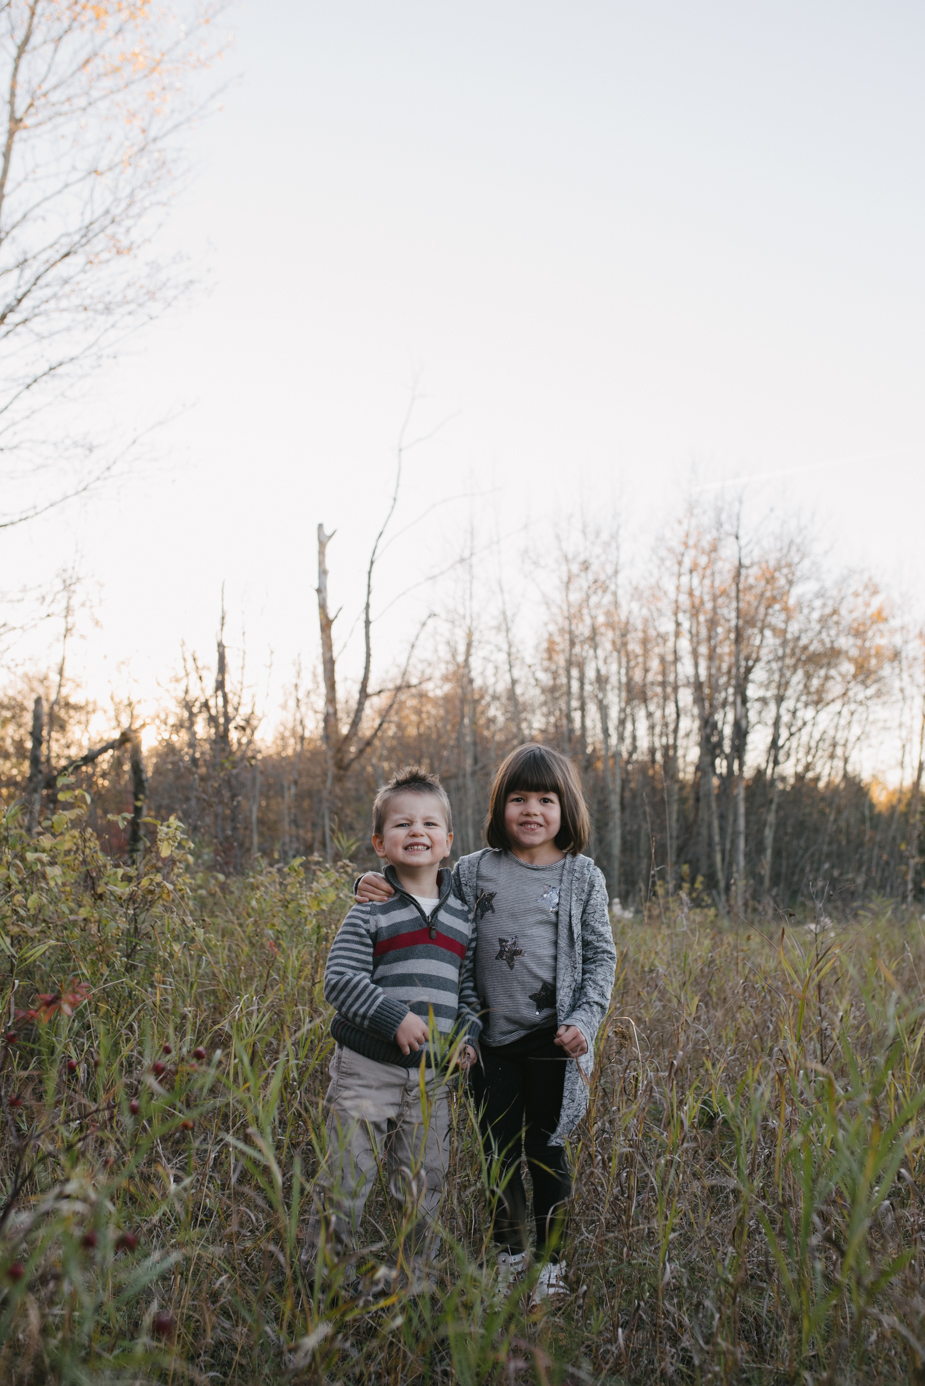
{"points": [[511, 1266], [550, 1284]]}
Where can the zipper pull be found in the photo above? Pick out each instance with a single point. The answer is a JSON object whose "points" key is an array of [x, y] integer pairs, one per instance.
{"points": [[432, 928]]}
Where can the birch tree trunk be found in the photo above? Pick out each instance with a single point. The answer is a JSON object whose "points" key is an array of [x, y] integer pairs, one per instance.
{"points": [[915, 813], [671, 768], [36, 777], [330, 732], [139, 795], [739, 738], [611, 753], [467, 747], [711, 846]]}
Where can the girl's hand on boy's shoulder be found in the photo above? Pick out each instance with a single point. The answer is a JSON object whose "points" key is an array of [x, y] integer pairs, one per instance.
{"points": [[373, 888], [570, 1038]]}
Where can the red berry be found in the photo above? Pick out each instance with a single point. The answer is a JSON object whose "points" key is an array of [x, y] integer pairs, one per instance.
{"points": [[187, 1125], [163, 1325], [168, 1048], [127, 1241], [16, 1271], [158, 1068], [134, 1106], [15, 1101], [199, 1053], [11, 1037], [72, 1065], [89, 1239]]}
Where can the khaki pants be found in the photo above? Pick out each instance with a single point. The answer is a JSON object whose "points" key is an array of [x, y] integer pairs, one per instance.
{"points": [[375, 1113]]}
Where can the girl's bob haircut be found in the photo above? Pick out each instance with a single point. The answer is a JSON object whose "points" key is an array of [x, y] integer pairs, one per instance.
{"points": [[537, 769]]}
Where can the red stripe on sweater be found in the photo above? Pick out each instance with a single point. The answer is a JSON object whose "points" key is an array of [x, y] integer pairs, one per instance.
{"points": [[416, 937]]}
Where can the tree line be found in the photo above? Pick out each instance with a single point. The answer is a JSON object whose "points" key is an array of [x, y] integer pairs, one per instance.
{"points": [[733, 706]]}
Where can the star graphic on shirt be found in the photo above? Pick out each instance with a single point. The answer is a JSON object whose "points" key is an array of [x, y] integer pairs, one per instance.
{"points": [[545, 998], [550, 898], [483, 904], [508, 951]]}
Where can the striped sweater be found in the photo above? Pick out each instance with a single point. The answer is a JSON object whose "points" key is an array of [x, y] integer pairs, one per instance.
{"points": [[391, 958]]}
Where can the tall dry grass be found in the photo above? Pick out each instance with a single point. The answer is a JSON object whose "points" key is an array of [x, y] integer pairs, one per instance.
{"points": [[747, 1202]]}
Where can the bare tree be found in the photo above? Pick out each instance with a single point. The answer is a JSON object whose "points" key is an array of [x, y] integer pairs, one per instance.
{"points": [[344, 747], [94, 101], [669, 640], [45, 777], [705, 599], [607, 634], [915, 797], [757, 589]]}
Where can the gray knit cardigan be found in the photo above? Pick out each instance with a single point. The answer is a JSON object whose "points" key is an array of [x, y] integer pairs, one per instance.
{"points": [[586, 962]]}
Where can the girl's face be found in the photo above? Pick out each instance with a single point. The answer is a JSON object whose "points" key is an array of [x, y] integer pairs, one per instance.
{"points": [[532, 818]]}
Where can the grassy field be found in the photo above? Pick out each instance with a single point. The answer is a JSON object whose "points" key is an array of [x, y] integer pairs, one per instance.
{"points": [[747, 1201]]}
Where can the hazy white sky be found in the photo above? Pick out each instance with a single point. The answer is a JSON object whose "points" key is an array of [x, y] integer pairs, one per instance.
{"points": [[614, 241]]}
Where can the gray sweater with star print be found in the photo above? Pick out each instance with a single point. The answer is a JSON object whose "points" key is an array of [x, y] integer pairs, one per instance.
{"points": [[585, 964], [515, 962]]}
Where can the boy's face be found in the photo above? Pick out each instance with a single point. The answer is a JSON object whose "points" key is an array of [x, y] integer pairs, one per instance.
{"points": [[414, 832]]}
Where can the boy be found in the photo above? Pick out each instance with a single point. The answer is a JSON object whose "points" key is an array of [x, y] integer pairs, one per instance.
{"points": [[394, 974]]}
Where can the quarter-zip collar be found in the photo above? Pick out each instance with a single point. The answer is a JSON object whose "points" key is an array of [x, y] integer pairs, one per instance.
{"points": [[444, 887]]}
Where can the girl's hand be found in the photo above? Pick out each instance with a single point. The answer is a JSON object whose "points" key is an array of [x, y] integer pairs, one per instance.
{"points": [[572, 1041], [373, 887], [464, 1056]]}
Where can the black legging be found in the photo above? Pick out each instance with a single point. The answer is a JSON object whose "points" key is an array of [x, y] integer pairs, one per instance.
{"points": [[520, 1085]]}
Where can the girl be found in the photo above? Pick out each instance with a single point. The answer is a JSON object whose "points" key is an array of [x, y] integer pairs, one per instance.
{"points": [[544, 970]]}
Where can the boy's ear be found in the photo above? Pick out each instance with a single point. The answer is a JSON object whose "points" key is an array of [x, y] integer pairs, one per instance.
{"points": [[378, 845]]}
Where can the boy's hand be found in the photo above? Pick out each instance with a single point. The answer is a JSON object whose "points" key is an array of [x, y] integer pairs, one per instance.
{"points": [[572, 1041], [411, 1034], [373, 887]]}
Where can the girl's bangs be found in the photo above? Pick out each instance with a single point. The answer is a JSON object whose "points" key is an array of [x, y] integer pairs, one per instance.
{"points": [[534, 774]]}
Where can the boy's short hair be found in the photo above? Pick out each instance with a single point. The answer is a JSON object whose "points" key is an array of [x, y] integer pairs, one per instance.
{"points": [[537, 769], [411, 780]]}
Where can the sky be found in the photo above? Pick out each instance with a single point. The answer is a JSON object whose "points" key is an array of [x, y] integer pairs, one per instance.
{"points": [[614, 252]]}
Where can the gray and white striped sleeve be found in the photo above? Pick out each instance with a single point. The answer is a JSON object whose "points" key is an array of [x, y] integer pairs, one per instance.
{"points": [[348, 983], [468, 1017]]}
